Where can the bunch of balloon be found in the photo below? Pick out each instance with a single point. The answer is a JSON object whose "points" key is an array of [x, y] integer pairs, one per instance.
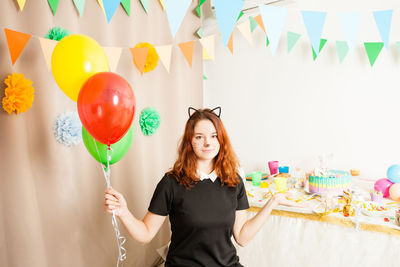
{"points": [[390, 186], [106, 104], [106, 107]]}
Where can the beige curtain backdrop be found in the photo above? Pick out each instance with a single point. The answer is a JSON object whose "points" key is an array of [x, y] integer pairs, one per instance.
{"points": [[52, 195]]}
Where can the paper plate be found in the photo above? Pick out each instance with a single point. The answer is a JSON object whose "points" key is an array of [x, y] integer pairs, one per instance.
{"points": [[374, 209]]}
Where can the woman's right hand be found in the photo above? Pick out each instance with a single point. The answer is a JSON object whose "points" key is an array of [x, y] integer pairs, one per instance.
{"points": [[114, 201]]}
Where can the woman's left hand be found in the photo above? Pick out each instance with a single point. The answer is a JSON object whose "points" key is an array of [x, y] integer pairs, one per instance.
{"points": [[281, 199]]}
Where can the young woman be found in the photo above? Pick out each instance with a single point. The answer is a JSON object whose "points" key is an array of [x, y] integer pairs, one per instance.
{"points": [[204, 197]]}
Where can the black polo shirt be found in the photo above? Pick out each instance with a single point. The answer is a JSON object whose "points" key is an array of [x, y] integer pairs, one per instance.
{"points": [[201, 219]]}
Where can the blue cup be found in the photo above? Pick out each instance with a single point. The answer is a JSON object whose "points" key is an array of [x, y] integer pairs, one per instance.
{"points": [[284, 169]]}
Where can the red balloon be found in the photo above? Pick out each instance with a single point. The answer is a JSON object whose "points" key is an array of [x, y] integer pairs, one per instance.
{"points": [[106, 106]]}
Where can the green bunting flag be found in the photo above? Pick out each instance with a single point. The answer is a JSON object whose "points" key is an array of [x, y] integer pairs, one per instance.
{"points": [[200, 32], [342, 50], [292, 39], [267, 42], [80, 4], [198, 8], [145, 4], [321, 45], [126, 4], [53, 4], [373, 50], [253, 24], [240, 15], [398, 45]]}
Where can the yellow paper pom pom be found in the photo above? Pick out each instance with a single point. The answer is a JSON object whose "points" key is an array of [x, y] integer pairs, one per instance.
{"points": [[152, 56], [18, 94]]}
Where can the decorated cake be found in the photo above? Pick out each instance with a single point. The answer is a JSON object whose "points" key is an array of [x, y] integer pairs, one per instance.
{"points": [[332, 181]]}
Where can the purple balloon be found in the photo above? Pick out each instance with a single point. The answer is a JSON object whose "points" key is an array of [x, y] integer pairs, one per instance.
{"points": [[383, 185]]}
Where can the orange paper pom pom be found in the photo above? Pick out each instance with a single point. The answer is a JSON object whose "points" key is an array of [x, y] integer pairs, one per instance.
{"points": [[18, 94], [152, 56]]}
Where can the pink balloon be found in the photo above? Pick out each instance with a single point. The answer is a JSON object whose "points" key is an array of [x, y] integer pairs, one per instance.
{"points": [[383, 185]]}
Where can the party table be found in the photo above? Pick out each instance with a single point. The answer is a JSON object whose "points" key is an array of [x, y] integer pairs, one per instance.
{"points": [[313, 236]]}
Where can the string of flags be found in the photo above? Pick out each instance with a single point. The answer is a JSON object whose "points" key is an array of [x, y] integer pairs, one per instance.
{"points": [[271, 20]]}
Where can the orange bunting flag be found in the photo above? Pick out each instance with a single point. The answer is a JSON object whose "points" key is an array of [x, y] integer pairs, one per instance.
{"points": [[259, 21], [230, 43], [16, 43], [187, 51], [139, 55]]}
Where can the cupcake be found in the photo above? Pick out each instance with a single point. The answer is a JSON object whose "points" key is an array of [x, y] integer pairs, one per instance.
{"points": [[376, 196]]}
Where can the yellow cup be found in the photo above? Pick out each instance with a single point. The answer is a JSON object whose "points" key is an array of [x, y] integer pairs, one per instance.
{"points": [[280, 184]]}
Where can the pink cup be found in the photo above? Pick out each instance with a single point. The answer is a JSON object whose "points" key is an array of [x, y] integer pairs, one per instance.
{"points": [[273, 167]]}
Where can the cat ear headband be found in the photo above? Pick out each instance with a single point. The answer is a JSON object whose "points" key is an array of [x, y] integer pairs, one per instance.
{"points": [[216, 111]]}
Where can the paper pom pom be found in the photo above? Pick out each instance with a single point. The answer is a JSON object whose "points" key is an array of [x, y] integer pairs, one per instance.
{"points": [[57, 33], [152, 56], [68, 129], [18, 94], [149, 121]]}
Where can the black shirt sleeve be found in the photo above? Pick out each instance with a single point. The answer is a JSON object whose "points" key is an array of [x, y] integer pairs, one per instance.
{"points": [[242, 202], [162, 198]]}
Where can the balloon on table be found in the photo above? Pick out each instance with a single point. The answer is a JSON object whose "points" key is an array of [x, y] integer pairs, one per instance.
{"points": [[394, 191], [106, 107], [99, 150], [393, 173], [383, 185], [76, 58]]}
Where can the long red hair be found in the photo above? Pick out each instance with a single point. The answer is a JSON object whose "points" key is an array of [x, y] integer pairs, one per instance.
{"points": [[225, 163]]}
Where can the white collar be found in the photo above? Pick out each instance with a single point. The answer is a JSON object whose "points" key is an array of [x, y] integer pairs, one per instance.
{"points": [[212, 176]]}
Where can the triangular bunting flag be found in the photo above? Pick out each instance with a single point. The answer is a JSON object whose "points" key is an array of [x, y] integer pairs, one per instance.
{"points": [[267, 42], [292, 39], [53, 4], [162, 4], [253, 23], [200, 32], [321, 45], [80, 4], [113, 54], [198, 8], [110, 6], [47, 49], [245, 29], [187, 51], [373, 50], [342, 50], [206, 56], [230, 43], [208, 44], [164, 52], [227, 13], [350, 23], [16, 43], [398, 45], [273, 18], [259, 22], [101, 5], [176, 11], [21, 4], [145, 4], [139, 55], [314, 22], [126, 4], [240, 15], [383, 21]]}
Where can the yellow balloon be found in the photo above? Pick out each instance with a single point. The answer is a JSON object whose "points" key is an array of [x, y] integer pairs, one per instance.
{"points": [[74, 60]]}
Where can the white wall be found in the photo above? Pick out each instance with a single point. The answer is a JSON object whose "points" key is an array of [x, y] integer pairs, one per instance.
{"points": [[290, 108]]}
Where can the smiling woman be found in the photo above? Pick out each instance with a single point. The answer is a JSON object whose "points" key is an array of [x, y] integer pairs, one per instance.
{"points": [[204, 197]]}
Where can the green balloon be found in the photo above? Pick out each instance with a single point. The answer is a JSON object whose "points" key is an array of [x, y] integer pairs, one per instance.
{"points": [[99, 150]]}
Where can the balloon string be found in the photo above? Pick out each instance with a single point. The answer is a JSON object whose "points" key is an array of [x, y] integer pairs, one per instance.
{"points": [[120, 239]]}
